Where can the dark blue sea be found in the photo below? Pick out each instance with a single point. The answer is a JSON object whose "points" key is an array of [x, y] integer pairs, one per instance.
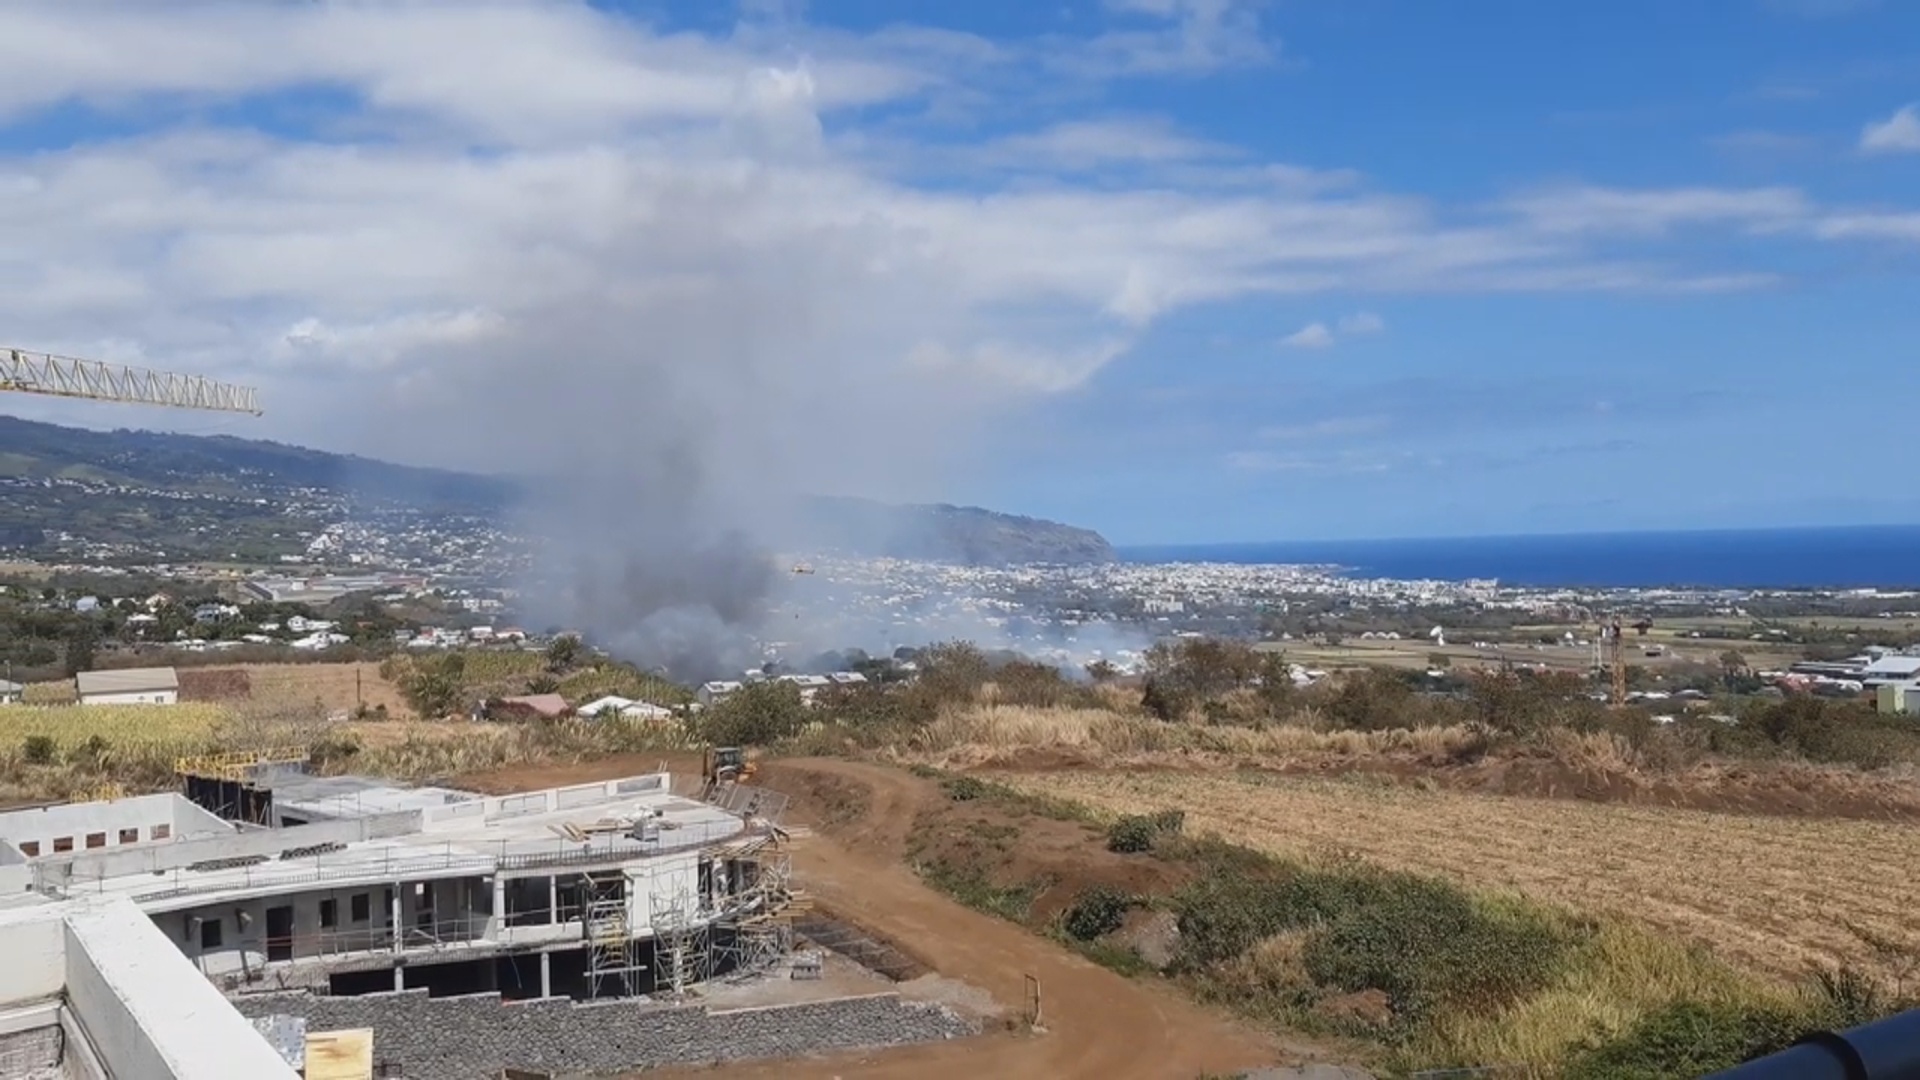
{"points": [[1812, 558]]}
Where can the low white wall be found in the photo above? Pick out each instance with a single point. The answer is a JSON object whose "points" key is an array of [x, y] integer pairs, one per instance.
{"points": [[542, 802], [83, 867], [32, 955], [147, 1012], [133, 697], [114, 823]]}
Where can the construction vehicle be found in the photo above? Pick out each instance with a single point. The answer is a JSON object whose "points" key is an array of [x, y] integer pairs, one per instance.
{"points": [[63, 376], [1614, 634], [722, 765]]}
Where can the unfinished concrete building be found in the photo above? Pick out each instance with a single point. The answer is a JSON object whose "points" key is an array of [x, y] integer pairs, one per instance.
{"points": [[272, 878], [448, 935]]}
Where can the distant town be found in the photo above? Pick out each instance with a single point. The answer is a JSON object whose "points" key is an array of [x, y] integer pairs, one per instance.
{"points": [[838, 616]]}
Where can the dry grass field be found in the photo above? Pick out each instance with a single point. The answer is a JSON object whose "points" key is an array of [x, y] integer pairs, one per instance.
{"points": [[186, 727], [1772, 895], [334, 687]]}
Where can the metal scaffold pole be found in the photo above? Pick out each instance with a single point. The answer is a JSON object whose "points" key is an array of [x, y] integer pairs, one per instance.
{"points": [[612, 954]]}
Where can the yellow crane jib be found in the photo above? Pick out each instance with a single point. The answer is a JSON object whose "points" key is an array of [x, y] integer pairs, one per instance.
{"points": [[64, 376]]}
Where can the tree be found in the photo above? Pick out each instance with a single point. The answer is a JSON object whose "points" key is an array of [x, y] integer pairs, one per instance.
{"points": [[562, 653], [1733, 663], [433, 686], [755, 715], [81, 641], [1102, 671]]}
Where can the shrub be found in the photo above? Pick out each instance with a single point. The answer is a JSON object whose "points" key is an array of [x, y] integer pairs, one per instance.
{"points": [[93, 752], [1425, 943], [1134, 833], [1686, 1038], [755, 715], [38, 750], [1096, 912], [964, 788]]}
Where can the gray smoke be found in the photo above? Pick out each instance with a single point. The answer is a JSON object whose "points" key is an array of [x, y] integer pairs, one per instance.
{"points": [[665, 442], [701, 333]]}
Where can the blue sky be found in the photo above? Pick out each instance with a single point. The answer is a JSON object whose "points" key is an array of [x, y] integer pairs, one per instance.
{"points": [[1181, 270]]}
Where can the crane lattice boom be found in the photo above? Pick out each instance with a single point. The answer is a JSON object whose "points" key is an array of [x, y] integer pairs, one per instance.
{"points": [[64, 376]]}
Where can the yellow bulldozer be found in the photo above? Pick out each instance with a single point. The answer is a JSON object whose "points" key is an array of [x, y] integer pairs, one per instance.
{"points": [[723, 764]]}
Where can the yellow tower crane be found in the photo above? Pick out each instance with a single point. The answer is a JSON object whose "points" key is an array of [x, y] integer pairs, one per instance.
{"points": [[63, 376]]}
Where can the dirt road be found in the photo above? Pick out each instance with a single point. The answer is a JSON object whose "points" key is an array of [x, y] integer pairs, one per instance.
{"points": [[1097, 1023]]}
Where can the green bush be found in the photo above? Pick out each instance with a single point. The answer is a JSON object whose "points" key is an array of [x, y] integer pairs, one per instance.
{"points": [[1096, 912], [1135, 833], [1686, 1038], [39, 750], [965, 789], [1425, 943], [758, 714], [1131, 834]]}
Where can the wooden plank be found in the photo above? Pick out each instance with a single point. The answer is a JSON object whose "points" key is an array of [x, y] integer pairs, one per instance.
{"points": [[340, 1055]]}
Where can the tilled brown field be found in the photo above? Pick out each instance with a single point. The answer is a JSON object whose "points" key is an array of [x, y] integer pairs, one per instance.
{"points": [[1771, 894]]}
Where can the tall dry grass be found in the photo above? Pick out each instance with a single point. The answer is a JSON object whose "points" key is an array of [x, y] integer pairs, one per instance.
{"points": [[991, 733], [1620, 975]]}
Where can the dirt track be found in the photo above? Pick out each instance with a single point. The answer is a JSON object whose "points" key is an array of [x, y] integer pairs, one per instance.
{"points": [[1098, 1024]]}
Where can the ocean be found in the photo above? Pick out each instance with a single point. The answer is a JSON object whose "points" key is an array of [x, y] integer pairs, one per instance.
{"points": [[1801, 558]]}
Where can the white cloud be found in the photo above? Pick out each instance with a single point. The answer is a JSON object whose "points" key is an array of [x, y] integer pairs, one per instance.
{"points": [[490, 173], [1083, 144], [1362, 323], [1205, 35], [1263, 461], [1318, 335], [1590, 210], [1870, 227], [1314, 335], [1331, 428], [1897, 134]]}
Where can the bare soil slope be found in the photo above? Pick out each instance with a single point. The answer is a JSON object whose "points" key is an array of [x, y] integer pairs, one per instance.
{"points": [[1098, 1024]]}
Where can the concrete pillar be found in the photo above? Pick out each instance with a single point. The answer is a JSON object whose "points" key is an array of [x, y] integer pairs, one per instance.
{"points": [[553, 899], [399, 977], [399, 928], [546, 975]]}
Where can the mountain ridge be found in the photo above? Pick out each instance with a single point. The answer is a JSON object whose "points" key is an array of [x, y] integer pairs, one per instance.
{"points": [[113, 485]]}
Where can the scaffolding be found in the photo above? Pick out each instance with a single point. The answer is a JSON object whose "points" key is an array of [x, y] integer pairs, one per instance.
{"points": [[756, 919], [680, 945], [238, 765], [612, 953]]}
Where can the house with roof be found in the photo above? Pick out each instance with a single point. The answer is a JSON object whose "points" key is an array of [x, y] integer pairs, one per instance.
{"points": [[529, 707], [129, 686], [1891, 668]]}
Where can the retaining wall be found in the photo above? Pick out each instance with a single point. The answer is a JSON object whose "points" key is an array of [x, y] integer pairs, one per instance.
{"points": [[458, 1038]]}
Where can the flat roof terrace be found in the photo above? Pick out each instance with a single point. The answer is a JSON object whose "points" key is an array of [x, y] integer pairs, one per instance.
{"points": [[478, 836]]}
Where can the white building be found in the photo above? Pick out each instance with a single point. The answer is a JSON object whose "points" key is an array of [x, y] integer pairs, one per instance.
{"points": [[627, 708], [129, 686], [350, 886], [719, 690]]}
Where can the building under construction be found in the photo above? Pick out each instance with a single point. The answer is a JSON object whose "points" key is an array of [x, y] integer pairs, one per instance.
{"points": [[267, 877]]}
